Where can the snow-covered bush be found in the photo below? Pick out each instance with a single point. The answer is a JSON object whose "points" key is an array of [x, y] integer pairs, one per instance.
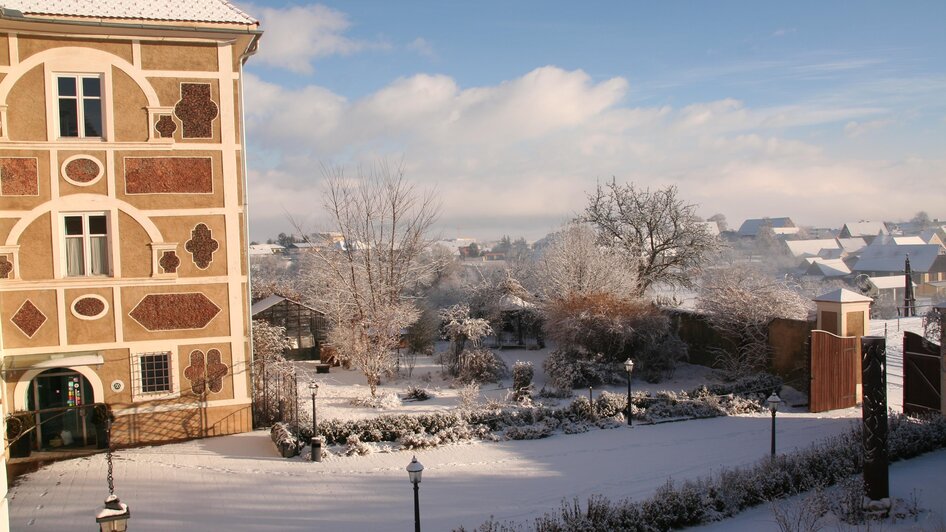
{"points": [[356, 446], [286, 440], [567, 369], [534, 431], [468, 395], [522, 374], [610, 404], [481, 365], [416, 393], [381, 402]]}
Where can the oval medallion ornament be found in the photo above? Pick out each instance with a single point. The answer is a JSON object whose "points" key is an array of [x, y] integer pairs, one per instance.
{"points": [[82, 170], [89, 307]]}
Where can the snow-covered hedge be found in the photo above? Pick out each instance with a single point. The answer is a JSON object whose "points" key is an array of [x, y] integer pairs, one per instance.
{"points": [[679, 505], [527, 421], [287, 440]]}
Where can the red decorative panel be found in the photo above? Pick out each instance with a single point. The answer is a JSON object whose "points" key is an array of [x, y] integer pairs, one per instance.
{"points": [[202, 246], [196, 111], [168, 312], [169, 262], [207, 374], [19, 176], [83, 170], [29, 318], [168, 175], [6, 267], [166, 126], [89, 307]]}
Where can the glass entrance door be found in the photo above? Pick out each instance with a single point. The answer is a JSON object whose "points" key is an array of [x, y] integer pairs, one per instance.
{"points": [[59, 395]]}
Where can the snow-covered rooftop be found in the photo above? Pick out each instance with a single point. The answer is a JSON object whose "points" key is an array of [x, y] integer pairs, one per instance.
{"points": [[829, 268], [801, 248], [866, 228], [218, 11], [889, 282], [890, 258], [842, 295], [751, 226]]}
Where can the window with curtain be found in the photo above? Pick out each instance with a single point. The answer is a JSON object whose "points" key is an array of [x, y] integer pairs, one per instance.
{"points": [[86, 244], [80, 105]]}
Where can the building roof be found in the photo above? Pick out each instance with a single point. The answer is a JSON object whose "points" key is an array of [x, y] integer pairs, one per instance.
{"points": [[802, 248], [866, 228], [712, 228], [852, 245], [842, 295], [751, 226], [828, 268], [216, 11], [889, 282], [891, 258], [272, 301]]}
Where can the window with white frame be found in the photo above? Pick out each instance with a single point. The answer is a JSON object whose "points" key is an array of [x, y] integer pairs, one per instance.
{"points": [[80, 105], [86, 244], [152, 373]]}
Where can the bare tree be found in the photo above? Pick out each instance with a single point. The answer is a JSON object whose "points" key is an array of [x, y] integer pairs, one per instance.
{"points": [[656, 229], [363, 284], [575, 263], [739, 303]]}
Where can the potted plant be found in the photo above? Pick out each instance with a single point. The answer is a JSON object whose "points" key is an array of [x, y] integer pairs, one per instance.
{"points": [[19, 426], [101, 415]]}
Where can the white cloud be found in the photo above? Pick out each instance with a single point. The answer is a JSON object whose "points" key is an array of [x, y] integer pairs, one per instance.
{"points": [[854, 129], [422, 47], [523, 154], [297, 35]]}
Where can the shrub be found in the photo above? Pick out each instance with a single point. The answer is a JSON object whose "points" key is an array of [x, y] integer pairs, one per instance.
{"points": [[481, 365], [469, 395], [415, 393], [567, 369], [522, 373]]}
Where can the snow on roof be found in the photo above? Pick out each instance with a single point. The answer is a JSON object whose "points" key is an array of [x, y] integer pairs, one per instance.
{"points": [[751, 226], [829, 268], [852, 245], [712, 228], [219, 11], [801, 248], [842, 295], [866, 228], [930, 236], [907, 240], [272, 301], [889, 282], [891, 258]]}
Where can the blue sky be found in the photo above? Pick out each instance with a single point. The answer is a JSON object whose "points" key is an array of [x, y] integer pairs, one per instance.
{"points": [[823, 111]]}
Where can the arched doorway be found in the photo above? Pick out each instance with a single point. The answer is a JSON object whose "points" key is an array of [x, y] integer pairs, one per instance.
{"points": [[58, 395]]}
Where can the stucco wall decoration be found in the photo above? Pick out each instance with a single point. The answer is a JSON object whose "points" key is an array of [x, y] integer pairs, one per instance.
{"points": [[82, 170], [168, 175], [196, 111], [28, 318], [165, 126], [169, 261], [19, 176], [6, 267], [89, 307], [202, 246], [206, 374], [168, 312]]}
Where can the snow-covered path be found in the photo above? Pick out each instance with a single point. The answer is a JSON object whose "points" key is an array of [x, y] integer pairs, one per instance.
{"points": [[239, 483]]}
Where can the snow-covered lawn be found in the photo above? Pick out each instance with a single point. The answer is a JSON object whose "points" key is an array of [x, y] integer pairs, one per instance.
{"points": [[240, 483]]}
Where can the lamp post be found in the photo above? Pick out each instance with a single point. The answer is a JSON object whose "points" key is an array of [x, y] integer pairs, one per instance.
{"points": [[414, 470], [629, 367], [316, 443], [114, 515], [773, 403]]}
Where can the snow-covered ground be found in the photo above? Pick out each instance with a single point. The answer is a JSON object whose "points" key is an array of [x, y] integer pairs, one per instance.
{"points": [[240, 483]]}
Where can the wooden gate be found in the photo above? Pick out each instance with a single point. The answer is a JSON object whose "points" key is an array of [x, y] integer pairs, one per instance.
{"points": [[835, 371], [922, 383]]}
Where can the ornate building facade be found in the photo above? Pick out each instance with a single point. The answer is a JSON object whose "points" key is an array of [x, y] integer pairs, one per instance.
{"points": [[123, 253]]}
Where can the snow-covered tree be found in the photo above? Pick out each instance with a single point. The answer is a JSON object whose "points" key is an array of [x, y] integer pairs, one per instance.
{"points": [[575, 263], [363, 286], [657, 230], [461, 328], [740, 302]]}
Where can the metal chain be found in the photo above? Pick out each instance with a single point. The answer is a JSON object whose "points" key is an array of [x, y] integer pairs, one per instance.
{"points": [[108, 457]]}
